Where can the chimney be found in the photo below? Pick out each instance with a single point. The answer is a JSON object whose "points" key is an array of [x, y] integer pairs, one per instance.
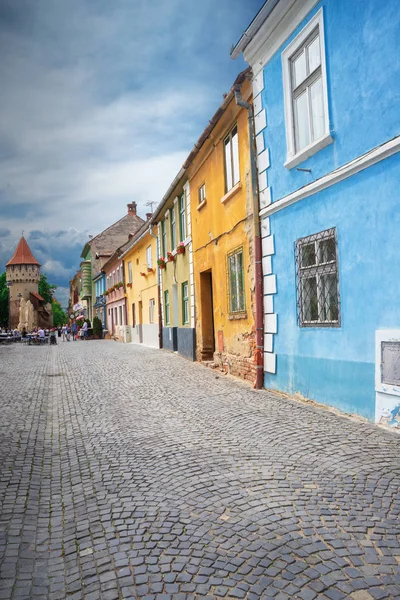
{"points": [[148, 216], [132, 208]]}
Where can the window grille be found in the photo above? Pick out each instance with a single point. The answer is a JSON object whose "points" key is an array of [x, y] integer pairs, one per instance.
{"points": [[318, 299]]}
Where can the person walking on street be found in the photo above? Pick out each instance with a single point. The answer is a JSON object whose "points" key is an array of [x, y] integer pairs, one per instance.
{"points": [[64, 332], [74, 329], [85, 331]]}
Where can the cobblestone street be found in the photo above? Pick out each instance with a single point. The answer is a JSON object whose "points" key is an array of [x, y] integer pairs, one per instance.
{"points": [[128, 472]]}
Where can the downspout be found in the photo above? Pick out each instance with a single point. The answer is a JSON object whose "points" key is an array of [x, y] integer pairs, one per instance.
{"points": [[259, 299], [158, 289]]}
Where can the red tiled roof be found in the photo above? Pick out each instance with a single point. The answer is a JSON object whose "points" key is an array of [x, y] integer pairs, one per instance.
{"points": [[23, 255], [38, 296]]}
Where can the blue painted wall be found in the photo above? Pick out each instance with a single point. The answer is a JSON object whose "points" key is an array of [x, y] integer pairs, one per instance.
{"points": [[362, 39], [187, 342], [336, 365]]}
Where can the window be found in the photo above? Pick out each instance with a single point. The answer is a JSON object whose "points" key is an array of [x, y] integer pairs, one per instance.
{"points": [[173, 229], [133, 315], [163, 238], [185, 303], [237, 302], [231, 160], [306, 104], [182, 216], [318, 301], [166, 307], [152, 305], [148, 257], [202, 193], [121, 322], [130, 272]]}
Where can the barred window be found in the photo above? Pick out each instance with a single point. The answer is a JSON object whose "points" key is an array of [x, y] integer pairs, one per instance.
{"points": [[318, 300], [236, 282]]}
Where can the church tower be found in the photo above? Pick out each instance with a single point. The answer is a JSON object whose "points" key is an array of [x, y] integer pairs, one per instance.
{"points": [[23, 273]]}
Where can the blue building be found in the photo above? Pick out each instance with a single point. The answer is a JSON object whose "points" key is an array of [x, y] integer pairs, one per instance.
{"points": [[327, 122]]}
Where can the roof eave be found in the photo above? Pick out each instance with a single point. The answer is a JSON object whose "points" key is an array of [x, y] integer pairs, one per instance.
{"points": [[253, 28]]}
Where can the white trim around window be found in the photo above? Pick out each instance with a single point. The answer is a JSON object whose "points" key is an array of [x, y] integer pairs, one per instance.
{"points": [[295, 154]]}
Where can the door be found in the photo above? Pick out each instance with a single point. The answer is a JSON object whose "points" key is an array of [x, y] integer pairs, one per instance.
{"points": [[207, 316], [140, 322]]}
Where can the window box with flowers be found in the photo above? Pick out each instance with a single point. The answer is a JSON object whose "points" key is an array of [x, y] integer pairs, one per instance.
{"points": [[150, 269], [170, 257], [161, 262], [180, 249], [129, 285], [143, 274]]}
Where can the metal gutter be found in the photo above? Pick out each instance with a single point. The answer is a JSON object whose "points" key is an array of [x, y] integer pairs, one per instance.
{"points": [[253, 28]]}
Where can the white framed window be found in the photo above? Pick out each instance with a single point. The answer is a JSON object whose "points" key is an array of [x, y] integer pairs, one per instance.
{"points": [[182, 216], [130, 279], [166, 307], [231, 152], [318, 299], [305, 93], [185, 303], [237, 299], [173, 228], [148, 257], [163, 238], [202, 193], [152, 304]]}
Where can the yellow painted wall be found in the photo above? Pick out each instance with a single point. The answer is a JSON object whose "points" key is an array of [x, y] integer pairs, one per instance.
{"points": [[145, 287], [177, 272], [218, 228]]}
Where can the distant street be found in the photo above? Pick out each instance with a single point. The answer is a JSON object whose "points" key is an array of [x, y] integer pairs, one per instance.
{"points": [[128, 472]]}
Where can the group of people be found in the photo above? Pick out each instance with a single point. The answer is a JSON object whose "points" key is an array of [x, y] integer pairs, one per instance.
{"points": [[66, 331]]}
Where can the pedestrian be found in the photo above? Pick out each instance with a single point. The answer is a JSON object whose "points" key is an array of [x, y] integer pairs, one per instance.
{"points": [[74, 329], [64, 332], [68, 333], [85, 331]]}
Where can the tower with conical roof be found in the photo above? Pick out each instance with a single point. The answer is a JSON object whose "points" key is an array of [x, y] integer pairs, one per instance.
{"points": [[23, 273]]}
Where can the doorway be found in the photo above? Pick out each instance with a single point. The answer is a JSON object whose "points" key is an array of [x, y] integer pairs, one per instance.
{"points": [[140, 307], [207, 316]]}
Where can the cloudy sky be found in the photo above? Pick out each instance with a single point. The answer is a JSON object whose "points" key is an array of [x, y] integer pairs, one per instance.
{"points": [[100, 103]]}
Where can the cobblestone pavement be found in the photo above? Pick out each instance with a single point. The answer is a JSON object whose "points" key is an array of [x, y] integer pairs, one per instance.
{"points": [[128, 472]]}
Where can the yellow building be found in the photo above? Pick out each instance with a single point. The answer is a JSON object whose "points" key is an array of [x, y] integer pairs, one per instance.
{"points": [[221, 190], [176, 273], [141, 287]]}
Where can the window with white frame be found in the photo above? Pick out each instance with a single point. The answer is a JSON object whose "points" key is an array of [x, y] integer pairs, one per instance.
{"points": [[318, 300], [202, 193], [237, 303], [166, 307], [182, 216], [163, 238], [306, 101], [148, 257], [231, 152], [185, 303], [152, 304], [173, 228], [130, 279]]}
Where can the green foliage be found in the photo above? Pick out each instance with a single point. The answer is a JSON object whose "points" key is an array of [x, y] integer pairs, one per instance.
{"points": [[97, 327], [46, 289], [3, 301], [59, 316]]}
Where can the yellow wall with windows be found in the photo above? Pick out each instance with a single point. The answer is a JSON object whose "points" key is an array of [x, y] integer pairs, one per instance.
{"points": [[143, 288], [222, 224], [176, 273]]}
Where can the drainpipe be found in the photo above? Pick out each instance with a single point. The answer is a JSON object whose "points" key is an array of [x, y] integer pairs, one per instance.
{"points": [[259, 351], [158, 289]]}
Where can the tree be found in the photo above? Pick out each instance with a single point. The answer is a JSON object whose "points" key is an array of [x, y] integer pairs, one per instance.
{"points": [[46, 289], [59, 316], [3, 301]]}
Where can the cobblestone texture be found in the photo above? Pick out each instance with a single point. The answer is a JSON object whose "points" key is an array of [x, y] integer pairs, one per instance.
{"points": [[128, 472]]}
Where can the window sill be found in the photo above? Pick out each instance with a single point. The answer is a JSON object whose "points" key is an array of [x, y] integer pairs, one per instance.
{"points": [[231, 192], [200, 206], [237, 316], [308, 151]]}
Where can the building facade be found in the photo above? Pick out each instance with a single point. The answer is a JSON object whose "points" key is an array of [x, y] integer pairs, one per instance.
{"points": [[27, 309], [326, 96], [223, 243], [175, 268], [141, 285], [114, 295]]}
